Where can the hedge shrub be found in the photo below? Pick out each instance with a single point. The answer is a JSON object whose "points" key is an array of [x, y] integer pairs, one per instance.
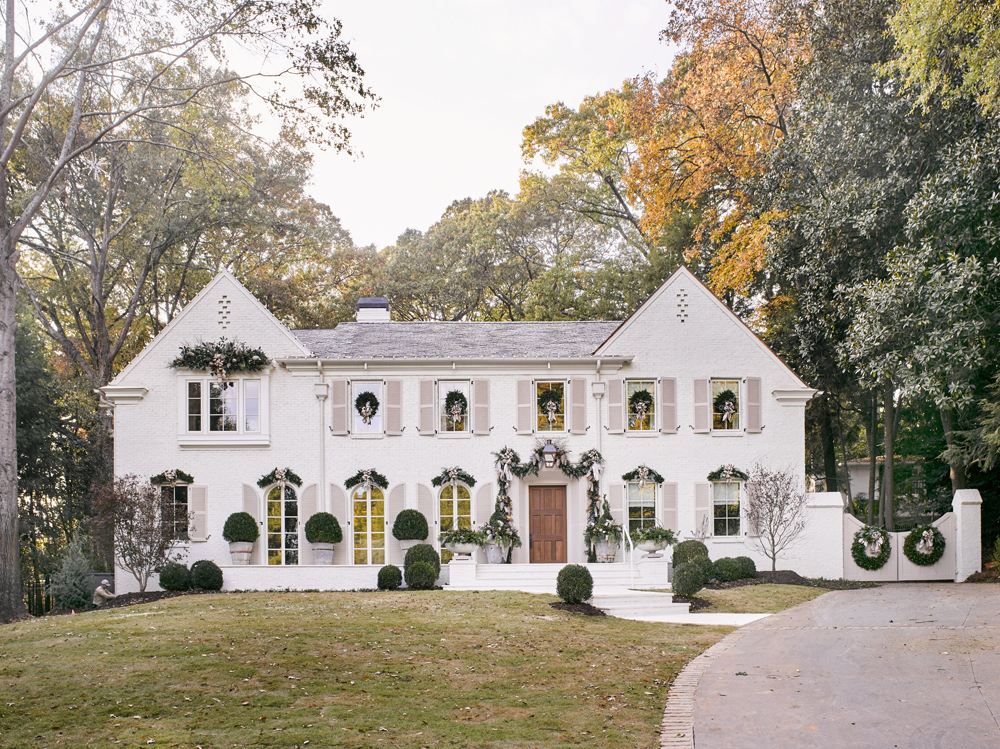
{"points": [[420, 576], [689, 578], [389, 577], [410, 525], [323, 528], [423, 553], [205, 574], [685, 551], [175, 576], [574, 584], [748, 570], [726, 570]]}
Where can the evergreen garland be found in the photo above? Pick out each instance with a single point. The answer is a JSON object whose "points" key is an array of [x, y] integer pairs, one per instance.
{"points": [[914, 537], [727, 473], [221, 358], [643, 474], [366, 404], [500, 528], [278, 475], [367, 475], [448, 475], [172, 476], [870, 534]]}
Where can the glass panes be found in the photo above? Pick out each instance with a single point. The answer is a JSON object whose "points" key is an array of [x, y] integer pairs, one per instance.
{"points": [[550, 406], [641, 409], [222, 406], [456, 512], [174, 512], [727, 508], [725, 404], [194, 406], [282, 526], [641, 506], [453, 406], [251, 405], [369, 526]]}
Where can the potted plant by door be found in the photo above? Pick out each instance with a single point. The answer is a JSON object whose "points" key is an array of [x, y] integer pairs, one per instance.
{"points": [[323, 531], [605, 535], [240, 531], [652, 538], [410, 529], [500, 536], [462, 541]]}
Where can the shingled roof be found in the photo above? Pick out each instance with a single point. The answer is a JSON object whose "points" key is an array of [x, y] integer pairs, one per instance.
{"points": [[457, 340]]}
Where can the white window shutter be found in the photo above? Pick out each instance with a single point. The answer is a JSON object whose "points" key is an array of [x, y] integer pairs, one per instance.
{"points": [[578, 407], [251, 506], [427, 408], [425, 504], [393, 407], [338, 401], [395, 505], [753, 405], [308, 502], [525, 407], [340, 508], [703, 506], [702, 407], [484, 504], [481, 407], [198, 513], [616, 408], [669, 502], [668, 405]]}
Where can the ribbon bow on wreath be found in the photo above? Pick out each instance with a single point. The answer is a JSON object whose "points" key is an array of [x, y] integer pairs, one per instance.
{"points": [[641, 401], [726, 404], [926, 543], [170, 475]]}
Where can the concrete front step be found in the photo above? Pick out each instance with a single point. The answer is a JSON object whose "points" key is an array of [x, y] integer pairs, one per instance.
{"points": [[632, 604], [541, 578]]}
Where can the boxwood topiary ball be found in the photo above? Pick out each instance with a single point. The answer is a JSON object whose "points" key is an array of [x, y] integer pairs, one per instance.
{"points": [[726, 570], [240, 527], [574, 584], [175, 576], [389, 577], [205, 574], [323, 528], [685, 551], [420, 576], [748, 569], [410, 525], [423, 553], [689, 578]]}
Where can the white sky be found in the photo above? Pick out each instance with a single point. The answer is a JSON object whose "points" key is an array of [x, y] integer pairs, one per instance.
{"points": [[458, 81]]}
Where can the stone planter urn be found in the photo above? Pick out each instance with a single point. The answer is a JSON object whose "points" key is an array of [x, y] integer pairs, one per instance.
{"points": [[465, 551], [322, 553], [606, 551], [651, 548], [496, 553], [240, 551]]}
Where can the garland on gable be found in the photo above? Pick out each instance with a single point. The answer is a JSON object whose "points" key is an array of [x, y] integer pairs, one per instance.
{"points": [[279, 476], [727, 404], [924, 545], [456, 406], [727, 473], [453, 476], [366, 477], [366, 404], [221, 358], [549, 402], [172, 476], [640, 403], [644, 475]]}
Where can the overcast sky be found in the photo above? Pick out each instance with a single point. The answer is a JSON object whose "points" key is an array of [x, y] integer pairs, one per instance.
{"points": [[458, 81]]}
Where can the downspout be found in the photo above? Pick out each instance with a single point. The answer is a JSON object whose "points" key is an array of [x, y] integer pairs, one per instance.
{"points": [[322, 390], [598, 391]]}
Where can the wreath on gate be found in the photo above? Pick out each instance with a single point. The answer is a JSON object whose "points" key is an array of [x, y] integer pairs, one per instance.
{"points": [[172, 476], [870, 536], [640, 403], [456, 406], [924, 545], [549, 402], [366, 404], [727, 404]]}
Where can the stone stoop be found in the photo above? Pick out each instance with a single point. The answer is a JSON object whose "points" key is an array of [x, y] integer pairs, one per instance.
{"points": [[541, 578], [632, 604]]}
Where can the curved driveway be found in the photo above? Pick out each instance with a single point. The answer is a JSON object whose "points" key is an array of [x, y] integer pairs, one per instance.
{"points": [[913, 665]]}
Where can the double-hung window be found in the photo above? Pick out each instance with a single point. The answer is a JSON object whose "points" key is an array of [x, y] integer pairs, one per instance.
{"points": [[233, 411], [641, 400], [550, 406], [453, 406], [726, 507], [174, 511], [641, 506]]}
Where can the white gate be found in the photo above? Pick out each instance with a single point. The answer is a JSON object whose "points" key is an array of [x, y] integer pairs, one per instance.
{"points": [[898, 567]]}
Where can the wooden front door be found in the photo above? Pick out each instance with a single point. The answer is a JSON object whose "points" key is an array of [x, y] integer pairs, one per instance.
{"points": [[548, 523]]}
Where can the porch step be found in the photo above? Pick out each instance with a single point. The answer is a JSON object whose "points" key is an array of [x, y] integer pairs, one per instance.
{"points": [[541, 578], [634, 604]]}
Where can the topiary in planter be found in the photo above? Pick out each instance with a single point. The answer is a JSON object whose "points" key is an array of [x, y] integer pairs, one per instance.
{"points": [[240, 527], [420, 576], [574, 584], [689, 578], [423, 553], [726, 570], [748, 569], [410, 525], [175, 576], [389, 577], [685, 551], [205, 574], [323, 528]]}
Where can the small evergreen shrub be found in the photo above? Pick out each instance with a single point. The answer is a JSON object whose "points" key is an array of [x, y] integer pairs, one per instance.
{"points": [[726, 570], [574, 584], [205, 574], [323, 528], [420, 576], [389, 577], [423, 553], [689, 578], [70, 586], [748, 570], [240, 527], [175, 576], [706, 566], [685, 551], [410, 525]]}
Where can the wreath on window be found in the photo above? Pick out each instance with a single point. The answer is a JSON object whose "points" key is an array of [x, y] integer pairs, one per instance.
{"points": [[172, 476], [727, 404], [644, 475], [549, 402], [450, 475], [366, 404], [924, 545], [727, 473], [366, 477], [279, 476], [871, 548], [221, 358], [455, 406], [640, 403]]}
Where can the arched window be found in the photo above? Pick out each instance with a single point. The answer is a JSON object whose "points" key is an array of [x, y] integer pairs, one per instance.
{"points": [[369, 526], [456, 511], [282, 526]]}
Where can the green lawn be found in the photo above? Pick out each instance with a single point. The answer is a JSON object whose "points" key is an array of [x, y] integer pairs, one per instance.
{"points": [[340, 669], [758, 599]]}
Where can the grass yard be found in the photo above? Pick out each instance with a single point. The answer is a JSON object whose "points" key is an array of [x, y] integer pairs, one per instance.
{"points": [[758, 599], [340, 669]]}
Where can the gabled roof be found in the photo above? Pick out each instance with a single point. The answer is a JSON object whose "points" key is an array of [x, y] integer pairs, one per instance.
{"points": [[457, 340]]}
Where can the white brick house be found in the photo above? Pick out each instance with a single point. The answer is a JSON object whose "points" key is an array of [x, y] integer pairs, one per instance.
{"points": [[682, 346]]}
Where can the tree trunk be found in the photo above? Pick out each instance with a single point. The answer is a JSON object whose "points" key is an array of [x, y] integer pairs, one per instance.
{"points": [[829, 447], [872, 459], [888, 488], [957, 468]]}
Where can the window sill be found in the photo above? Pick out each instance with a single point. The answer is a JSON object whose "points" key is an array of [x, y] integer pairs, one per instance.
{"points": [[224, 440], [454, 435], [368, 436], [727, 539], [642, 433], [726, 432]]}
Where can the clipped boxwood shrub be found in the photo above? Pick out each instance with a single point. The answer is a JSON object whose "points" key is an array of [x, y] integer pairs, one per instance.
{"points": [[689, 578], [420, 575], [726, 570], [389, 577], [423, 553], [748, 569], [175, 576], [205, 574], [323, 528], [240, 527], [685, 551], [706, 566], [574, 584], [410, 525]]}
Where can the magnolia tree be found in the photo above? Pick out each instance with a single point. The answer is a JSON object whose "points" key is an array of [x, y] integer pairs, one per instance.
{"points": [[774, 510]]}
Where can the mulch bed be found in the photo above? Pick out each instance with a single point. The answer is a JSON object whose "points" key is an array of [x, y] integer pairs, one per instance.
{"points": [[986, 576], [133, 599], [695, 604], [578, 608]]}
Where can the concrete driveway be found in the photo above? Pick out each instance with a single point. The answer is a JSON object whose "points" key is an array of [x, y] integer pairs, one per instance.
{"points": [[913, 665]]}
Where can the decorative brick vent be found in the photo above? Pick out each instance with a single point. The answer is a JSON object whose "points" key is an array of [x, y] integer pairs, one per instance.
{"points": [[682, 305], [224, 312]]}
